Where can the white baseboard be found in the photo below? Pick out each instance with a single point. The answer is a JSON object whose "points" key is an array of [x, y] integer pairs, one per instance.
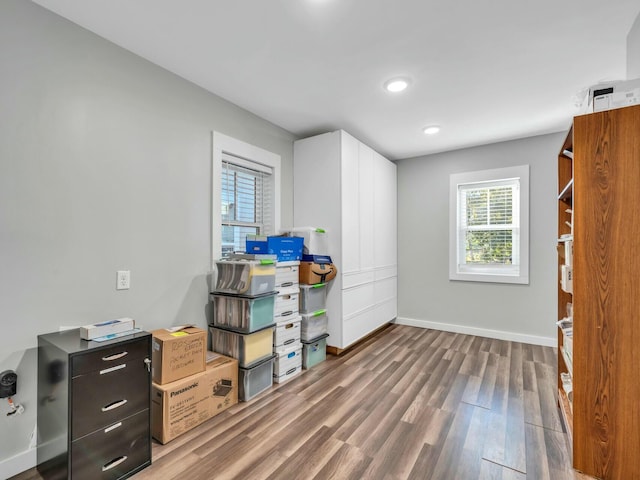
{"points": [[18, 463], [479, 332]]}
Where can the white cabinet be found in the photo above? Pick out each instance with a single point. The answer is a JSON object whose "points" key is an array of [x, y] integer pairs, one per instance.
{"points": [[345, 187]]}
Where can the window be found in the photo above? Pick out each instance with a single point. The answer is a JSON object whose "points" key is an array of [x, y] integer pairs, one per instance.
{"points": [[246, 194], [245, 202], [489, 225]]}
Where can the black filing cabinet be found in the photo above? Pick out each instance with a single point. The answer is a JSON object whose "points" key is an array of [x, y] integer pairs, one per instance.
{"points": [[93, 406]]}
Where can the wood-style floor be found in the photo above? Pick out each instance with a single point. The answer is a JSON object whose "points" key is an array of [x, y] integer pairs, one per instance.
{"points": [[407, 403]]}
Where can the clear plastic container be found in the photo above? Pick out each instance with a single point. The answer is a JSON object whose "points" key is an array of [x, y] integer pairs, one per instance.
{"points": [[313, 297], [316, 240], [255, 380], [242, 313], [248, 348], [314, 325], [245, 277], [314, 352]]}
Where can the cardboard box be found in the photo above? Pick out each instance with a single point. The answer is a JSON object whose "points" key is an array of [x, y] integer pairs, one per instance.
{"points": [[316, 269], [177, 353], [179, 406], [103, 329], [285, 248]]}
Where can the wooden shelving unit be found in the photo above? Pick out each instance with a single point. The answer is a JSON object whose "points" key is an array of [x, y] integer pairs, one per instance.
{"points": [[599, 204]]}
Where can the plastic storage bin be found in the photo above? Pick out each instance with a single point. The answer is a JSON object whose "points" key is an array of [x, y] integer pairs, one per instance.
{"points": [[316, 241], [255, 380], [242, 313], [287, 274], [287, 333], [314, 352], [287, 364], [245, 277], [314, 325], [287, 301], [313, 297], [248, 348]]}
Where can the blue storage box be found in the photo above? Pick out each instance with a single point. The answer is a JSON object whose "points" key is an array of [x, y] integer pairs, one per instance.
{"points": [[285, 249]]}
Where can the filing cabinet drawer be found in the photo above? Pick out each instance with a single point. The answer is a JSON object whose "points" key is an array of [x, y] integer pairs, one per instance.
{"points": [[102, 397], [110, 356], [112, 452]]}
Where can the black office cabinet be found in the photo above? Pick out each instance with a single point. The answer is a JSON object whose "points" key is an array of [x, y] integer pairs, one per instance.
{"points": [[93, 406]]}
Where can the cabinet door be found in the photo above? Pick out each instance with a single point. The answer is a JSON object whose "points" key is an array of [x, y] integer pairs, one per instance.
{"points": [[366, 219], [350, 206], [386, 212]]}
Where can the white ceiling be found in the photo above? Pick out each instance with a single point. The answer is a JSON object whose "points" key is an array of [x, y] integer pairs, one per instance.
{"points": [[485, 71]]}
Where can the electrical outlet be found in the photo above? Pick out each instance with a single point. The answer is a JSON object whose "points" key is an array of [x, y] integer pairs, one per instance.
{"points": [[123, 280]]}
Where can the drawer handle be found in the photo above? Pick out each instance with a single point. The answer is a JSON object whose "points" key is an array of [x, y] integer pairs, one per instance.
{"points": [[114, 405], [115, 356], [113, 369], [113, 463], [113, 427]]}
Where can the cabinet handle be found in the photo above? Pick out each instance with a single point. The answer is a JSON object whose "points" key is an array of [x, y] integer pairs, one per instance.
{"points": [[113, 463], [114, 405], [113, 369], [147, 362], [112, 427], [115, 356]]}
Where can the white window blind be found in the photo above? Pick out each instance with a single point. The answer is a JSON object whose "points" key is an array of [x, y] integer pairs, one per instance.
{"points": [[247, 202], [489, 223]]}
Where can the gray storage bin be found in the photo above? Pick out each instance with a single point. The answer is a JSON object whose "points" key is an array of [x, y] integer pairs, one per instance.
{"points": [[313, 297], [314, 325], [245, 277], [255, 380]]}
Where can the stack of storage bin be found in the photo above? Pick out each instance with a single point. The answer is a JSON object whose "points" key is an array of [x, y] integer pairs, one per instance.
{"points": [[243, 320], [313, 298], [286, 338]]}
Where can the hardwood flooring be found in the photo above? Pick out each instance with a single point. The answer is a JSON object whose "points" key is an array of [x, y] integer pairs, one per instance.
{"points": [[407, 403]]}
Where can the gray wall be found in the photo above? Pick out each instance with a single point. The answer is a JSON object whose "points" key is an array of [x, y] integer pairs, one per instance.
{"points": [[105, 164], [633, 50], [425, 293]]}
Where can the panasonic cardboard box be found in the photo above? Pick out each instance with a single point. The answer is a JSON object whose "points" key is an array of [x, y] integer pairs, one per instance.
{"points": [[177, 353], [179, 406]]}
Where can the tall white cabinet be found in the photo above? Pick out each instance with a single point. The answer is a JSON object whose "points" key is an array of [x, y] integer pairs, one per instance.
{"points": [[345, 187]]}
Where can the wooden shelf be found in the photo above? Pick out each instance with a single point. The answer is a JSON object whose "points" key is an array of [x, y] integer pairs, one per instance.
{"points": [[567, 414], [600, 161], [567, 192]]}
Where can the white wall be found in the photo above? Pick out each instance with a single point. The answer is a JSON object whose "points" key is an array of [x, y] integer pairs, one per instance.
{"points": [[633, 50], [105, 164], [426, 296]]}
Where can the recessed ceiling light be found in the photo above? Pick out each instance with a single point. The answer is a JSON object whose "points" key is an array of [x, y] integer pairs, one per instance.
{"points": [[431, 129], [396, 85]]}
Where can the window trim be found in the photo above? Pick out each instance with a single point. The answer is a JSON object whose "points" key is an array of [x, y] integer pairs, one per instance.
{"points": [[482, 273], [222, 143]]}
